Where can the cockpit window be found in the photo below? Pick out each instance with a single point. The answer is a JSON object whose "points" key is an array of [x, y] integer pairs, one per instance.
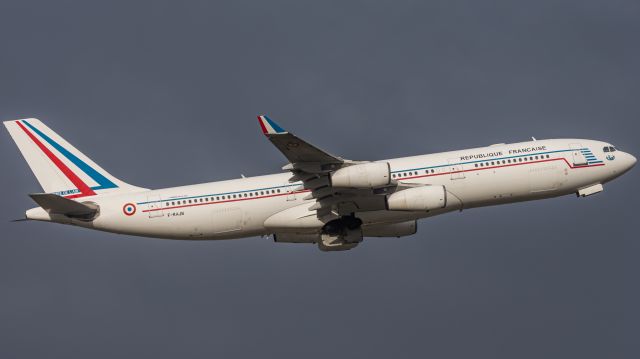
{"points": [[606, 149], [609, 149]]}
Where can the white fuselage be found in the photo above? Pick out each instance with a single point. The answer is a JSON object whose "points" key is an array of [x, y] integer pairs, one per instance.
{"points": [[476, 177]]}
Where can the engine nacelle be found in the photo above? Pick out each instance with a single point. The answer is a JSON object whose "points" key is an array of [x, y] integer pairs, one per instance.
{"points": [[296, 237], [366, 175], [424, 198], [390, 229]]}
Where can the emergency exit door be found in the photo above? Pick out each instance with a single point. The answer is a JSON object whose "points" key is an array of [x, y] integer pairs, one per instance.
{"points": [[578, 157], [154, 206], [456, 169]]}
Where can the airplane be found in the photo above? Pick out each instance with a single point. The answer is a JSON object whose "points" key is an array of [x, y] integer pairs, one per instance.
{"points": [[321, 199]]}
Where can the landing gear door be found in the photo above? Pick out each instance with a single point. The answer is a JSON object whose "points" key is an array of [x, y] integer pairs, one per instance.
{"points": [[577, 156], [456, 169], [154, 207]]}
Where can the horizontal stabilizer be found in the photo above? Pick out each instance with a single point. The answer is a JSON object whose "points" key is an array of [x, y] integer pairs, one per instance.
{"points": [[54, 204]]}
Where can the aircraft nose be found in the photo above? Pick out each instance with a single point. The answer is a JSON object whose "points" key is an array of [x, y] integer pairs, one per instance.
{"points": [[632, 160]]}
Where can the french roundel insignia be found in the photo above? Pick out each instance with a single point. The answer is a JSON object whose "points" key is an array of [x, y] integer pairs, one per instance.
{"points": [[129, 209]]}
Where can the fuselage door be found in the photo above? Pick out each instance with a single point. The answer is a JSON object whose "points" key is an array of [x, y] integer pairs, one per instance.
{"points": [[578, 157], [154, 206], [456, 169], [291, 194], [227, 219]]}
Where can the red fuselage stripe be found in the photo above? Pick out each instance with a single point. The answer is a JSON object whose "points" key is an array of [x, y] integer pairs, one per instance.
{"points": [[506, 165], [218, 202], [404, 178], [80, 185]]}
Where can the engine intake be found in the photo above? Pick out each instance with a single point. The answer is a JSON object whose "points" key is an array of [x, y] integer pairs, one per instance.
{"points": [[366, 175], [424, 198]]}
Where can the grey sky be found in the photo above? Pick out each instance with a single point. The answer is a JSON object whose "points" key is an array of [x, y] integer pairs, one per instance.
{"points": [[165, 93]]}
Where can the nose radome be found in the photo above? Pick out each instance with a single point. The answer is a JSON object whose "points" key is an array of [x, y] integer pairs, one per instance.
{"points": [[632, 160]]}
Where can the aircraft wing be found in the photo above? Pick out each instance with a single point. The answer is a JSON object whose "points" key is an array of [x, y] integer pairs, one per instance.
{"points": [[297, 151], [313, 167]]}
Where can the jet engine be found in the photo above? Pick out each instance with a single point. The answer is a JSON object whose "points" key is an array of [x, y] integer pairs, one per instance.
{"points": [[366, 175], [399, 229], [296, 237], [423, 198]]}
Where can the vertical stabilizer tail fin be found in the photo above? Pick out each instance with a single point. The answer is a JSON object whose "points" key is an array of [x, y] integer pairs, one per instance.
{"points": [[60, 167]]}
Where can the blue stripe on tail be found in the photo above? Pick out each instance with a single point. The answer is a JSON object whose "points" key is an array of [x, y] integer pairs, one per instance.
{"points": [[103, 182]]}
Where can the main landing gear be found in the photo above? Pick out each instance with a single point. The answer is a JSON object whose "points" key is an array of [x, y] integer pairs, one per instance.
{"points": [[341, 234]]}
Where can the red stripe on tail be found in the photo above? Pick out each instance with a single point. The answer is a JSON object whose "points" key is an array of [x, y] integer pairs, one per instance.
{"points": [[80, 185]]}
